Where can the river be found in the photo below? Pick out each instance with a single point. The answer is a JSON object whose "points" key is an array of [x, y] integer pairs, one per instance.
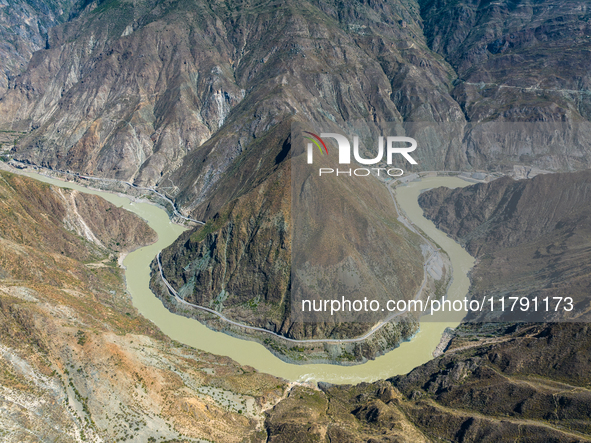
{"points": [[190, 332]]}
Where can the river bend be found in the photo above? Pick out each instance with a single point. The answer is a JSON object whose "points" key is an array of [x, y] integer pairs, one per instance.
{"points": [[190, 332]]}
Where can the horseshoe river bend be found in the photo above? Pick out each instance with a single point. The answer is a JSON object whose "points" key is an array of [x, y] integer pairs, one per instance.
{"points": [[192, 333]]}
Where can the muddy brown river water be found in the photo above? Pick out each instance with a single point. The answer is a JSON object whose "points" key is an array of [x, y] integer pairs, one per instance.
{"points": [[190, 332]]}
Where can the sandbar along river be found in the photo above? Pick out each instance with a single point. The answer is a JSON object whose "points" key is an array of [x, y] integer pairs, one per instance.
{"points": [[190, 332]]}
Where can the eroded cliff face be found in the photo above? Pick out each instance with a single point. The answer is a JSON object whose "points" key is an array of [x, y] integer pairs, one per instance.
{"points": [[514, 52], [176, 94], [130, 85], [131, 97], [56, 214], [24, 26], [517, 61], [239, 262]]}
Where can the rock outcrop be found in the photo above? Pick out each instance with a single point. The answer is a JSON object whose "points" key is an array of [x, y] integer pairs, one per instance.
{"points": [[24, 28]]}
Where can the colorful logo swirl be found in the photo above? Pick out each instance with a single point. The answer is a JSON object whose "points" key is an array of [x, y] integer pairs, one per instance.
{"points": [[316, 142]]}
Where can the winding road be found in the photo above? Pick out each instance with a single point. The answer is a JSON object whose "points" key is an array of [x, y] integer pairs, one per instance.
{"points": [[401, 216], [114, 180], [292, 340]]}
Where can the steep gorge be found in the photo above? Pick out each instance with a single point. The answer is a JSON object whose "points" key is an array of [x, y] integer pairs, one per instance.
{"points": [[198, 99]]}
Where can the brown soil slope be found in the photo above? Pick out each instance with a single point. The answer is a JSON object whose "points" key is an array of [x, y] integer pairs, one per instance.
{"points": [[77, 361]]}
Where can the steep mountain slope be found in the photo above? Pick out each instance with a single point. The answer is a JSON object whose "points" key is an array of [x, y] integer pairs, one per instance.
{"points": [[240, 264], [77, 361], [562, 142], [72, 341], [198, 99], [509, 52], [36, 215], [24, 25], [531, 238], [495, 381], [517, 61], [130, 98], [208, 119]]}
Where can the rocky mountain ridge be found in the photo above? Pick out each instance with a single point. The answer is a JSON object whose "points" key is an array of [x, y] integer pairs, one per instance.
{"points": [[174, 97], [530, 382]]}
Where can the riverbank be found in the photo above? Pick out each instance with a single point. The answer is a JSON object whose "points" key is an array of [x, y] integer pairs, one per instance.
{"points": [[192, 333], [380, 339], [128, 189]]}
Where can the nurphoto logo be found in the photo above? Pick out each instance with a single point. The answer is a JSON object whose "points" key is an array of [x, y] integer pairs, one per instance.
{"points": [[344, 149]]}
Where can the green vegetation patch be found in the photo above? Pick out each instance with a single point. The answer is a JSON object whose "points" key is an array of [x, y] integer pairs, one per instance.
{"points": [[209, 227]]}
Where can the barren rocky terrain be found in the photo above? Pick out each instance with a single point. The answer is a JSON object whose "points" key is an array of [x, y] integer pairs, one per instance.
{"points": [[78, 362], [24, 27], [531, 385], [198, 99]]}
